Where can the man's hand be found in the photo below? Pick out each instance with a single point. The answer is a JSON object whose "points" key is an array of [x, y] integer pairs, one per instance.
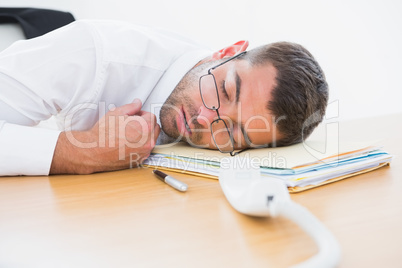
{"points": [[123, 138]]}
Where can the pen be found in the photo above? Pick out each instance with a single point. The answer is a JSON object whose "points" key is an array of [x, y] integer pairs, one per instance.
{"points": [[178, 185]]}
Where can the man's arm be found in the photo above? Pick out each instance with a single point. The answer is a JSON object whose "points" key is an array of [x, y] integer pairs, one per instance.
{"points": [[53, 75], [41, 77], [123, 138]]}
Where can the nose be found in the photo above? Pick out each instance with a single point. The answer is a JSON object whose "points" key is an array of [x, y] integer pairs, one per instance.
{"points": [[206, 116]]}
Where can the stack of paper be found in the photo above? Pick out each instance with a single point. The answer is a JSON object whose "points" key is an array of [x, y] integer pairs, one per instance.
{"points": [[301, 166]]}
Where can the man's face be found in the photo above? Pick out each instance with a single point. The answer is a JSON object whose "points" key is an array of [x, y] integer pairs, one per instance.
{"points": [[244, 92]]}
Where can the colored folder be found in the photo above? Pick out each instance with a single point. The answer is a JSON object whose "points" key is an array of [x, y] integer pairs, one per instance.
{"points": [[302, 166]]}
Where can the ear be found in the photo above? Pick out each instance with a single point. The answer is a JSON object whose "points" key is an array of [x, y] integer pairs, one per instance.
{"points": [[230, 51]]}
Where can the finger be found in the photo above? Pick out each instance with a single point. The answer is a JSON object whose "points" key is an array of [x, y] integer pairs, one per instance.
{"points": [[141, 113], [157, 131], [150, 117], [154, 135], [130, 108]]}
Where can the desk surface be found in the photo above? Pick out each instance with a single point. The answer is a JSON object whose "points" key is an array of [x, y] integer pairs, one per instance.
{"points": [[130, 219]]}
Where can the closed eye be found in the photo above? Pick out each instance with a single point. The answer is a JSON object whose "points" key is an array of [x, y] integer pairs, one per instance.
{"points": [[225, 93]]}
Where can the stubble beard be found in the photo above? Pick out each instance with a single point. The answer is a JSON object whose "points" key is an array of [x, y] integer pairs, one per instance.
{"points": [[172, 107], [183, 96]]}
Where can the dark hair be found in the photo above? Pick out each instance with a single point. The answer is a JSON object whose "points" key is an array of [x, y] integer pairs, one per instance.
{"points": [[300, 96]]}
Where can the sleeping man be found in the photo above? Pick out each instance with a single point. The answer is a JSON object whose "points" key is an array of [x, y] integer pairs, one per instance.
{"points": [[115, 90]]}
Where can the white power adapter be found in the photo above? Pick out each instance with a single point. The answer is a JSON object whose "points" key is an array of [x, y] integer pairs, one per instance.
{"points": [[253, 195], [246, 191]]}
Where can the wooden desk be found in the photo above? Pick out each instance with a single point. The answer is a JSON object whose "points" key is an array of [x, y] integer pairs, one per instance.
{"points": [[130, 219]]}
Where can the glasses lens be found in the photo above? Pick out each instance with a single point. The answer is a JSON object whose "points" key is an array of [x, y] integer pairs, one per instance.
{"points": [[221, 136], [209, 93]]}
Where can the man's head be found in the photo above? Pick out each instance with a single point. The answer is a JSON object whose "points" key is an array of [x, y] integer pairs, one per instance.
{"points": [[267, 96], [299, 99]]}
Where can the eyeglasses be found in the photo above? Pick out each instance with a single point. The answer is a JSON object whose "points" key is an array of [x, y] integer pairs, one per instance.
{"points": [[221, 134]]}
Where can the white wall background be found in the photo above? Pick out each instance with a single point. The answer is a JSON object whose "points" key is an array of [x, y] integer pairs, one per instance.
{"points": [[357, 42]]}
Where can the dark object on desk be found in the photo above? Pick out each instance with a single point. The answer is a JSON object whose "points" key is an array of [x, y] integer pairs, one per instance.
{"points": [[35, 22]]}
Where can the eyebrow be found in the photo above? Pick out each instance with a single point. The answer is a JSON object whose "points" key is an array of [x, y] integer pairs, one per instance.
{"points": [[238, 86]]}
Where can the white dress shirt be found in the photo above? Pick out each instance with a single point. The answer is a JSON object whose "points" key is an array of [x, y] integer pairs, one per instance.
{"points": [[76, 74]]}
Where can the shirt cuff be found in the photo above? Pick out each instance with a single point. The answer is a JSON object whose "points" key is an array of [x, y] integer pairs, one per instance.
{"points": [[26, 150]]}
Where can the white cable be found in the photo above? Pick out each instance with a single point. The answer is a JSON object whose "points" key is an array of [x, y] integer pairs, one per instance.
{"points": [[249, 194], [329, 251]]}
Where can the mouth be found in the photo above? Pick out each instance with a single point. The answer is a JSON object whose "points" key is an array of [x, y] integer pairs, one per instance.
{"points": [[185, 122], [182, 123]]}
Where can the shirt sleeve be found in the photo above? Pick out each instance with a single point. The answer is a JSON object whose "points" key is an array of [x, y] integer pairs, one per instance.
{"points": [[26, 150], [39, 78]]}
